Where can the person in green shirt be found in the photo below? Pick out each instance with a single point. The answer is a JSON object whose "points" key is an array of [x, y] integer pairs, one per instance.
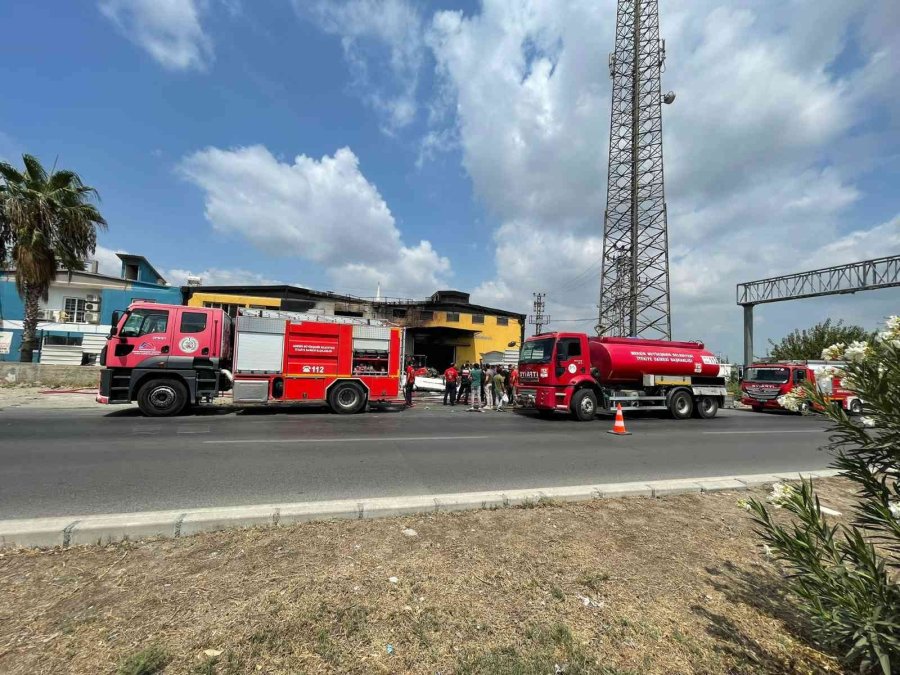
{"points": [[476, 387], [499, 388]]}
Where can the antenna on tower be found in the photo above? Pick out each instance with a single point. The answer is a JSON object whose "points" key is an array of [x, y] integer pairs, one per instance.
{"points": [[538, 319], [634, 286]]}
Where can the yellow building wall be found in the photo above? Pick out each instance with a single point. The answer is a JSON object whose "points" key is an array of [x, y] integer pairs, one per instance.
{"points": [[198, 300], [490, 337]]}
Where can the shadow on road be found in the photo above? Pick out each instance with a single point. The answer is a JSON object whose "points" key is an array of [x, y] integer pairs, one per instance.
{"points": [[630, 416], [254, 411]]}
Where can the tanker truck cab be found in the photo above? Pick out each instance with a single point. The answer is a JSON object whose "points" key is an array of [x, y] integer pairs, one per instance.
{"points": [[582, 375], [165, 357], [553, 368]]}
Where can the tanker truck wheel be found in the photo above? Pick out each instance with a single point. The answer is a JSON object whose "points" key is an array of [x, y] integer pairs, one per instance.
{"points": [[162, 398], [707, 407], [346, 398], [681, 404], [584, 405]]}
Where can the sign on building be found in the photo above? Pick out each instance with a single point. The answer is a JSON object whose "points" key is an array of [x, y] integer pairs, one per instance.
{"points": [[5, 341]]}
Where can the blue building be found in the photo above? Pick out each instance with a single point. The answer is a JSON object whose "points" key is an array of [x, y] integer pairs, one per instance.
{"points": [[75, 320]]}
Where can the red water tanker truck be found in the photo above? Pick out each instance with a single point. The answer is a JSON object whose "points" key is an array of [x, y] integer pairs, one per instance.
{"points": [[582, 375]]}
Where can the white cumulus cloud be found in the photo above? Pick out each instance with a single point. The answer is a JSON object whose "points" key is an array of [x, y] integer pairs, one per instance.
{"points": [[321, 210], [216, 276], [383, 46], [169, 30], [109, 263]]}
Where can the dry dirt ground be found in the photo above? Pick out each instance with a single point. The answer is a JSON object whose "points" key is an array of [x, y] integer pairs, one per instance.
{"points": [[45, 397], [673, 585]]}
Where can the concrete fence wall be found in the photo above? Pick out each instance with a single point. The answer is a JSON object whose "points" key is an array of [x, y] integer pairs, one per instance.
{"points": [[74, 377]]}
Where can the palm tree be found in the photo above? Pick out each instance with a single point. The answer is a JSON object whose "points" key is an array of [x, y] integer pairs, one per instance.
{"points": [[47, 221]]}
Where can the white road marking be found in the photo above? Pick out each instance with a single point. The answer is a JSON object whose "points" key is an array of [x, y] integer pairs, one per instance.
{"points": [[149, 430], [786, 431], [182, 430], [369, 439]]}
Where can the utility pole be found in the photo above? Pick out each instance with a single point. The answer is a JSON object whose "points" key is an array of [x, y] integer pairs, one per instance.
{"points": [[634, 287], [538, 319]]}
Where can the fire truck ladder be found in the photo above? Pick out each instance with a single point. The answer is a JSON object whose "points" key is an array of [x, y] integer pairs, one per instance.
{"points": [[296, 317]]}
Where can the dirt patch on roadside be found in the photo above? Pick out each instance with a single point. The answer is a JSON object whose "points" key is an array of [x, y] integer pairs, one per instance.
{"points": [[27, 396], [675, 585]]}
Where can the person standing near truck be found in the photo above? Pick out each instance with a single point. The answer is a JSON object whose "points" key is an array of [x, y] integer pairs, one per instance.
{"points": [[451, 376], [489, 387], [483, 369], [410, 382], [465, 384], [477, 382], [513, 384], [499, 388]]}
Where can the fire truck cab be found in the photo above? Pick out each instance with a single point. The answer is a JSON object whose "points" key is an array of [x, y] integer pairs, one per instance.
{"points": [[763, 383]]}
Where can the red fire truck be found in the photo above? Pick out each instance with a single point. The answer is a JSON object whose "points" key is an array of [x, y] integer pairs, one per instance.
{"points": [[169, 357], [578, 374], [763, 383]]}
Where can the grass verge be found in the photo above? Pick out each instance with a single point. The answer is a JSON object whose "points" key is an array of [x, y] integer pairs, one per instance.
{"points": [[673, 585]]}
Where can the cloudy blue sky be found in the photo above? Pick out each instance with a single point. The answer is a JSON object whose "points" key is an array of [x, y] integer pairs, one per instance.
{"points": [[340, 144]]}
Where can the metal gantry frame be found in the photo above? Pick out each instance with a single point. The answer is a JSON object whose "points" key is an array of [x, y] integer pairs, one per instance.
{"points": [[634, 288], [866, 275]]}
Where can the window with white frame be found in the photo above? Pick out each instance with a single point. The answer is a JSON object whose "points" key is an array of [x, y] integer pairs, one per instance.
{"points": [[74, 309]]}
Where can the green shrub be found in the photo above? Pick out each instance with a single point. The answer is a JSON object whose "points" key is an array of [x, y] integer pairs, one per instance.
{"points": [[846, 576], [145, 662]]}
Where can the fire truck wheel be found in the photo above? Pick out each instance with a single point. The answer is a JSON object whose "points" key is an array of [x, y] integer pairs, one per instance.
{"points": [[856, 407], [162, 398], [346, 398], [584, 405], [681, 405], [707, 407]]}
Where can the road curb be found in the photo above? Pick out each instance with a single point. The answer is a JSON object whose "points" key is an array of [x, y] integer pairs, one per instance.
{"points": [[110, 528]]}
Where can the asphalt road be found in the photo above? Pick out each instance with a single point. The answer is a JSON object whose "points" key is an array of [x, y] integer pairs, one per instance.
{"points": [[74, 462]]}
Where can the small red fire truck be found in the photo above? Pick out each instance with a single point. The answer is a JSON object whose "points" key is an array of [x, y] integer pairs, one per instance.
{"points": [[169, 357], [763, 383], [578, 374]]}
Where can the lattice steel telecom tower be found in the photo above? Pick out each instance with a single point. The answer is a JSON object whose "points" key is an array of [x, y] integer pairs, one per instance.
{"points": [[634, 287]]}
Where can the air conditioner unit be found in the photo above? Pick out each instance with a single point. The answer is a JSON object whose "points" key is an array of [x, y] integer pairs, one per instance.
{"points": [[92, 317], [91, 306], [92, 298], [45, 315]]}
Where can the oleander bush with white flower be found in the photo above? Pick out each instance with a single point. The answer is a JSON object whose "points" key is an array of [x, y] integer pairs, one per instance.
{"points": [[847, 577]]}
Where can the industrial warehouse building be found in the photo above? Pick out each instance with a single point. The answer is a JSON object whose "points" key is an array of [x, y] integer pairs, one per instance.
{"points": [[444, 328]]}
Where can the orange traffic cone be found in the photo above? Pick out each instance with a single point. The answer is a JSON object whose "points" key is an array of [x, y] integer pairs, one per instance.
{"points": [[619, 427]]}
